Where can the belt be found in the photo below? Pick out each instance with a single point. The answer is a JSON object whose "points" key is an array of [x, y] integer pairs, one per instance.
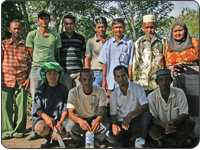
{"points": [[96, 70]]}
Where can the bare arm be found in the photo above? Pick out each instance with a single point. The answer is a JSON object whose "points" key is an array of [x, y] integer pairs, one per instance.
{"points": [[130, 73], [115, 128], [30, 51], [87, 62], [104, 71], [48, 120], [82, 123], [56, 54]]}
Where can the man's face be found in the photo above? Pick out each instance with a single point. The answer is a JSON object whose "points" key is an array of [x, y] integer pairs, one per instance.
{"points": [[118, 29], [87, 79], [121, 77], [100, 29], [164, 82], [44, 21], [15, 29], [69, 25], [52, 77], [178, 33], [149, 29]]}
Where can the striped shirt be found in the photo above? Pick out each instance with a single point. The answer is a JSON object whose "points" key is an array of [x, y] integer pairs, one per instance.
{"points": [[114, 54], [15, 59], [71, 52]]}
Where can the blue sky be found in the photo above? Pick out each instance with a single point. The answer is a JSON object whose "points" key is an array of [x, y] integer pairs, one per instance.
{"points": [[179, 5]]}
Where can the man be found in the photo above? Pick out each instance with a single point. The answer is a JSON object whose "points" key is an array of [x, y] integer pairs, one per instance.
{"points": [[43, 45], [128, 111], [169, 108], [72, 52], [116, 51], [16, 64], [149, 50], [87, 110], [93, 49]]}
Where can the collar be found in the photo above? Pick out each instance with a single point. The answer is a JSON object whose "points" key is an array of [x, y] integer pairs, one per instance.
{"points": [[130, 88], [20, 42], [171, 93], [98, 40], [123, 40]]}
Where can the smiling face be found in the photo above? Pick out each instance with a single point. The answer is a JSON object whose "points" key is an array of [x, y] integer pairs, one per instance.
{"points": [[52, 77], [100, 29], [44, 21], [16, 29], [121, 77], [178, 33], [118, 29], [69, 25], [149, 29]]}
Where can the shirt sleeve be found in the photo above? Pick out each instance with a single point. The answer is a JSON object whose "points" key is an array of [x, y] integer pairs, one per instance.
{"points": [[88, 49], [103, 98], [71, 101], [58, 43], [183, 105], [131, 53], [103, 54], [37, 104], [3, 49], [142, 96], [113, 104], [83, 46], [135, 60], [65, 91], [30, 40], [152, 107]]}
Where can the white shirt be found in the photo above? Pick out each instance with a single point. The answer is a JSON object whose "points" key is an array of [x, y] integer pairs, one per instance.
{"points": [[135, 97]]}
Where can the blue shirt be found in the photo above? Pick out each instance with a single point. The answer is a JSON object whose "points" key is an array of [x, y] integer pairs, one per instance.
{"points": [[114, 54]]}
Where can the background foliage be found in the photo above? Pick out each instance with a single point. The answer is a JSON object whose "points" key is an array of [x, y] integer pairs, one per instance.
{"points": [[87, 11]]}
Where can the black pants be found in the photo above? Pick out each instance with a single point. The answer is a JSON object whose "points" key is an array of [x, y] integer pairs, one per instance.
{"points": [[138, 126], [183, 131]]}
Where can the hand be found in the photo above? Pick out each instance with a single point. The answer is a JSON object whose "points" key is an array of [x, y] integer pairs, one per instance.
{"points": [[84, 125], [104, 84], [169, 128], [126, 121], [178, 68], [59, 126], [95, 126], [49, 122], [26, 84], [115, 129]]}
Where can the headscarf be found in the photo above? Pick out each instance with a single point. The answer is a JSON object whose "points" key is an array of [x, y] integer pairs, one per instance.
{"points": [[185, 43], [51, 66]]}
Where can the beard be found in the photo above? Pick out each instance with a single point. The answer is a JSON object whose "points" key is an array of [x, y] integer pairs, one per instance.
{"points": [[150, 37]]}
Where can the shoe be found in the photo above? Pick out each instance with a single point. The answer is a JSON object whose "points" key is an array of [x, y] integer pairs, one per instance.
{"points": [[100, 144], [55, 143], [18, 136], [46, 142], [74, 144], [5, 137], [139, 142], [32, 136]]}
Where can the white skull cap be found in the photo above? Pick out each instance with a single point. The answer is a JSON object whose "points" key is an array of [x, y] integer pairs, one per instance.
{"points": [[149, 18]]}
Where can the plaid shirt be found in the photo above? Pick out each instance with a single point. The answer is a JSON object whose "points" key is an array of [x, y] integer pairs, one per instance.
{"points": [[15, 59]]}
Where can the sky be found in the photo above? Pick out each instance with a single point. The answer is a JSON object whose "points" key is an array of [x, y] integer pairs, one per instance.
{"points": [[179, 5]]}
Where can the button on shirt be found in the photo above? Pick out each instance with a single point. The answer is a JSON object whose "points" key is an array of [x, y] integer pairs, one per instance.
{"points": [[135, 97], [15, 59], [114, 54], [175, 106]]}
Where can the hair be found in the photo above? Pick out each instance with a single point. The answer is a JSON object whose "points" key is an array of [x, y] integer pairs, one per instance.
{"points": [[118, 20], [69, 16], [100, 20], [15, 21], [119, 67], [86, 70], [156, 80]]}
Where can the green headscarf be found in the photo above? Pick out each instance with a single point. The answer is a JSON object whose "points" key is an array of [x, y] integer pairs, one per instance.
{"points": [[51, 66]]}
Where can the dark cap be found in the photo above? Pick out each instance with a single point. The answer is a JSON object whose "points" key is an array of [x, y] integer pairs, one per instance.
{"points": [[43, 12]]}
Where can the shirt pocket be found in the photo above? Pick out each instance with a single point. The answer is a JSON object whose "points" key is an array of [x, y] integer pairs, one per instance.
{"points": [[124, 58], [22, 57]]}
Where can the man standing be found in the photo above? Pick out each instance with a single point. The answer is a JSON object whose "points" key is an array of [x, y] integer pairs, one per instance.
{"points": [[169, 108], [149, 50], [72, 52], [43, 45], [93, 49], [87, 110], [16, 64], [128, 111], [116, 51]]}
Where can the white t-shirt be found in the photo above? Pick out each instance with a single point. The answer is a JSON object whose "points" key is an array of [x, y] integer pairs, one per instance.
{"points": [[86, 106], [135, 97]]}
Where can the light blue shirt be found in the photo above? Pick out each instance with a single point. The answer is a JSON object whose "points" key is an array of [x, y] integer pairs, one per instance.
{"points": [[114, 54]]}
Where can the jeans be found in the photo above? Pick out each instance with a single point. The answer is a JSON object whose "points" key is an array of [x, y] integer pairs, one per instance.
{"points": [[98, 81]]}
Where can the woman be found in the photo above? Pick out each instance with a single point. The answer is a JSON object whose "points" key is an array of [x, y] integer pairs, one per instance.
{"points": [[182, 57], [50, 104]]}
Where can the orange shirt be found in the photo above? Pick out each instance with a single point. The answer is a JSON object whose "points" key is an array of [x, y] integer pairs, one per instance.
{"points": [[189, 55]]}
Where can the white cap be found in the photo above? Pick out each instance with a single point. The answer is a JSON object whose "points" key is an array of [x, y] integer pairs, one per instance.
{"points": [[149, 18]]}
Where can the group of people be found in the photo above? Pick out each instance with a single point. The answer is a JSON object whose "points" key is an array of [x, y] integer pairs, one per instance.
{"points": [[127, 89]]}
